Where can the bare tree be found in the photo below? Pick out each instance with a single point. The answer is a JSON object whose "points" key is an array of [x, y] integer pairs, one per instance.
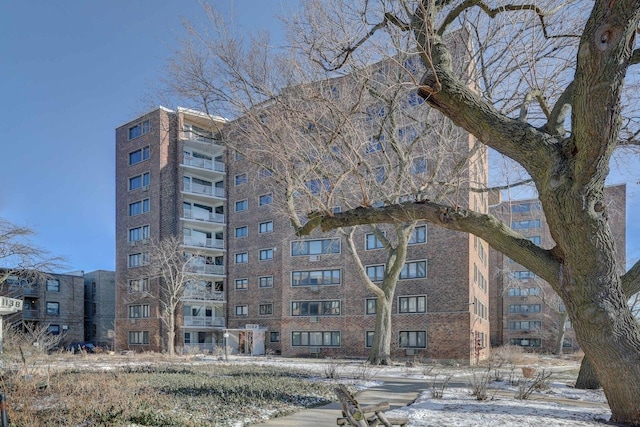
{"points": [[565, 144]]}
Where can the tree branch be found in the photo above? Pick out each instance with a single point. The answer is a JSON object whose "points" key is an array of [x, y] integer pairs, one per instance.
{"points": [[555, 120], [497, 234], [631, 280]]}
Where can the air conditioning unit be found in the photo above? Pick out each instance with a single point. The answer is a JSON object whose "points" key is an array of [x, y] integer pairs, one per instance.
{"points": [[145, 188], [314, 319], [314, 257]]}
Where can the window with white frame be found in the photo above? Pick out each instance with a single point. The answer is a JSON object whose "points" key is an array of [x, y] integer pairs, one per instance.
{"points": [[139, 155], [53, 308], [315, 277], [412, 339], [242, 257], [525, 325], [137, 311], [315, 338], [138, 337], [524, 308], [139, 259], [419, 235], [139, 181], [375, 272], [315, 247], [265, 282], [368, 338], [266, 199], [412, 304], [266, 254], [242, 205], [138, 233], [266, 227], [140, 129], [265, 309], [53, 285], [414, 270], [240, 179], [242, 284], [370, 305], [242, 310], [242, 231], [138, 285], [372, 242], [315, 308], [139, 207]]}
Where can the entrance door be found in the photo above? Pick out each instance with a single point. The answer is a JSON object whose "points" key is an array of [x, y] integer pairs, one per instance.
{"points": [[258, 343]]}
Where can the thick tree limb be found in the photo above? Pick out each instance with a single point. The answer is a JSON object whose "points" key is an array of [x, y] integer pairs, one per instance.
{"points": [[497, 234], [631, 280], [555, 122]]}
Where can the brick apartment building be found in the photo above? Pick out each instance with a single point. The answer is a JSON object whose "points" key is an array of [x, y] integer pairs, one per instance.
{"points": [[525, 311], [99, 307]]}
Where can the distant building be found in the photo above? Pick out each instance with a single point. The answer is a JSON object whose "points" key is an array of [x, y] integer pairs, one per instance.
{"points": [[525, 311], [100, 307]]}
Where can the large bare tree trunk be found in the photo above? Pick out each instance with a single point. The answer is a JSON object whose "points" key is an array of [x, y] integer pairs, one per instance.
{"points": [[587, 378], [380, 353]]}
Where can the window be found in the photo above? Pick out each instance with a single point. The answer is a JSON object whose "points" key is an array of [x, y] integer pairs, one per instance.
{"points": [[524, 308], [264, 173], [53, 285], [266, 254], [140, 129], [375, 272], [373, 242], [412, 339], [242, 231], [238, 155], [242, 310], [526, 223], [525, 207], [266, 227], [240, 179], [53, 308], [526, 342], [265, 309], [138, 337], [408, 134], [139, 207], [417, 304], [242, 205], [370, 306], [414, 270], [380, 174], [561, 308], [315, 247], [524, 292], [522, 275], [315, 277], [315, 308], [139, 156], [368, 338], [53, 329], [265, 282], [535, 239], [525, 325], [413, 99], [242, 258], [315, 186], [419, 235], [139, 259], [139, 181], [138, 311], [567, 342], [242, 284], [139, 233], [374, 144], [375, 111], [274, 336], [266, 199], [139, 285], [320, 339]]}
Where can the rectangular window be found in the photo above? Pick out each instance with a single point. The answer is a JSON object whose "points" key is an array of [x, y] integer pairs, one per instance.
{"points": [[265, 282], [374, 144], [139, 156], [264, 173], [139, 285], [375, 272], [138, 337], [139, 181], [315, 186], [368, 338], [266, 254], [242, 284], [412, 339], [138, 311], [524, 308], [525, 207], [266, 227], [419, 235], [535, 239], [526, 342], [266, 309], [274, 336], [315, 339], [416, 304], [524, 292], [139, 233], [266, 199], [242, 310], [525, 224], [53, 329], [242, 231], [419, 166], [370, 305], [242, 258], [53, 285], [242, 205], [140, 129], [414, 270], [525, 325], [139, 207], [373, 242], [139, 259], [522, 275], [315, 247], [53, 308], [238, 155], [315, 308], [240, 179], [315, 277]]}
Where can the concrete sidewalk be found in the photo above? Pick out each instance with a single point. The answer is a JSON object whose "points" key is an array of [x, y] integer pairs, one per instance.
{"points": [[397, 391]]}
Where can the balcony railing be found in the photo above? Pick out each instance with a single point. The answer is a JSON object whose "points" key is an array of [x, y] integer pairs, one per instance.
{"points": [[196, 321], [30, 313], [203, 243], [202, 294], [211, 165], [206, 190], [206, 269], [211, 217], [198, 137]]}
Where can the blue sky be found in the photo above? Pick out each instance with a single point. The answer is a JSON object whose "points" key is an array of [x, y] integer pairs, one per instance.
{"points": [[73, 71]]}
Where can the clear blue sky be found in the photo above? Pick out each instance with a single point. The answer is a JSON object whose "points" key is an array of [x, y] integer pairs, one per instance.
{"points": [[70, 73]]}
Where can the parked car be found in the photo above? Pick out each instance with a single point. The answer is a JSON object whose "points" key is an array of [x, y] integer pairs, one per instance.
{"points": [[76, 347]]}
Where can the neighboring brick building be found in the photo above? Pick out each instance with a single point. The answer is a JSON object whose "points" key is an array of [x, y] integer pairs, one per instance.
{"points": [[99, 307], [525, 311]]}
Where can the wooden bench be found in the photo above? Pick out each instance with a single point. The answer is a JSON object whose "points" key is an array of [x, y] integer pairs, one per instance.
{"points": [[364, 416]]}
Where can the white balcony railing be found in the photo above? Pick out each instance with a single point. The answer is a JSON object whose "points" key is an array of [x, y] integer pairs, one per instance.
{"points": [[198, 137], [207, 190], [202, 294], [208, 217], [206, 269], [196, 321], [207, 164], [204, 243]]}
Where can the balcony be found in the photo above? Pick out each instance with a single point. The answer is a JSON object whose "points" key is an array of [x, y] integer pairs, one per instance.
{"points": [[203, 295], [201, 137], [217, 270], [203, 243], [216, 218], [201, 321], [30, 314], [210, 165], [203, 190]]}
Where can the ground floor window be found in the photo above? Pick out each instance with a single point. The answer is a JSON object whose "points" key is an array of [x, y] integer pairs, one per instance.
{"points": [[368, 338], [138, 337], [526, 342], [315, 338], [274, 336], [412, 339]]}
